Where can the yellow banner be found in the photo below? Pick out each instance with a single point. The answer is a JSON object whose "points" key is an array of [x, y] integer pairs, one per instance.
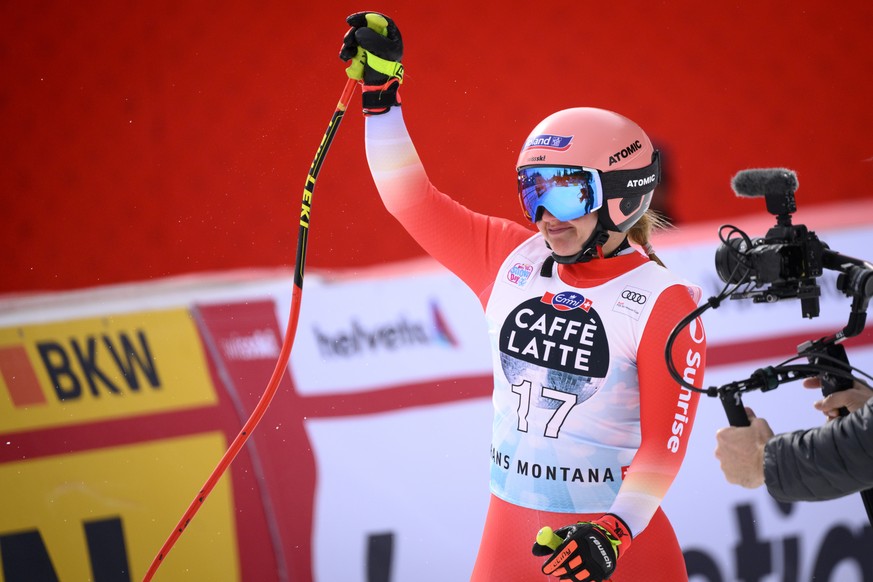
{"points": [[86, 512], [117, 366]]}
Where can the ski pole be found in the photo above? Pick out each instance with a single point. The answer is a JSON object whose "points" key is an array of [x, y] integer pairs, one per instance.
{"points": [[285, 352], [546, 537]]}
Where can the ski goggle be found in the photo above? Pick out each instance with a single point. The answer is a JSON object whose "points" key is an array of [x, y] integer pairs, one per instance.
{"points": [[566, 192], [570, 192]]}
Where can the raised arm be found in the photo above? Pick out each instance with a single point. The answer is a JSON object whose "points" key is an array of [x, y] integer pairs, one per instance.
{"points": [[470, 244]]}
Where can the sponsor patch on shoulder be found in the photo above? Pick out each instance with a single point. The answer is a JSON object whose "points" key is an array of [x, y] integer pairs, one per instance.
{"points": [[632, 301], [520, 273]]}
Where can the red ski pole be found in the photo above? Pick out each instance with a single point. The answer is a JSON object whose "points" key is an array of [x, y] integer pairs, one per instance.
{"points": [[285, 352]]}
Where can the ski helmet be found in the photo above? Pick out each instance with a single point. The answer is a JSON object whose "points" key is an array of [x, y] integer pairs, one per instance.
{"points": [[609, 145]]}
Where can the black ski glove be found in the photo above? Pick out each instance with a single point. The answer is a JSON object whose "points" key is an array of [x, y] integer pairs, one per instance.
{"points": [[375, 48], [584, 552]]}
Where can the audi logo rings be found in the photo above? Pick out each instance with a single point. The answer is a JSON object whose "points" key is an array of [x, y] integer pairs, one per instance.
{"points": [[633, 296]]}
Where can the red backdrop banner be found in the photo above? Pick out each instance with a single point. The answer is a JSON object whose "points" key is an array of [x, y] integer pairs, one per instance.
{"points": [[151, 139]]}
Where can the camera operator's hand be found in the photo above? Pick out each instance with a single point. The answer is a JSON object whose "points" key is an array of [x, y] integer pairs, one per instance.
{"points": [[740, 449], [852, 399]]}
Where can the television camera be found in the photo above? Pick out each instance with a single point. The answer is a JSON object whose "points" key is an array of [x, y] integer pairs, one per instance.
{"points": [[783, 264]]}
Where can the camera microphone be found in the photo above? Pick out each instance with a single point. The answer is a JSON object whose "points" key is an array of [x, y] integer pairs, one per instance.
{"points": [[776, 185], [760, 182]]}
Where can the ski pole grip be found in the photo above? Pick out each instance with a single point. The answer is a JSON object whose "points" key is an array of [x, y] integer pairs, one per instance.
{"points": [[546, 537]]}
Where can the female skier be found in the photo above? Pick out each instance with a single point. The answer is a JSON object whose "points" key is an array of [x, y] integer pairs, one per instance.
{"points": [[589, 428]]}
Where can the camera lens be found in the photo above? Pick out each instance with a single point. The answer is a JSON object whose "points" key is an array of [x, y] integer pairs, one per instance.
{"points": [[729, 261]]}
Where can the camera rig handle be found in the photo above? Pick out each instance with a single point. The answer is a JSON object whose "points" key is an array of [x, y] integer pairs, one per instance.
{"points": [[831, 383], [838, 360], [762, 379], [855, 281], [732, 402], [833, 368]]}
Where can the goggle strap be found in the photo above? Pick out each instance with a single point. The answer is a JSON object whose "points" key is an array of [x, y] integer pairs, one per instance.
{"points": [[630, 183]]}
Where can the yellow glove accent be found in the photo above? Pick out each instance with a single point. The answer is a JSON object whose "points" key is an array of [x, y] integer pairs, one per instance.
{"points": [[377, 22], [386, 67], [355, 70]]}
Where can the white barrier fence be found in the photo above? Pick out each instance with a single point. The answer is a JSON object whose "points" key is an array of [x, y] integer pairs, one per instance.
{"points": [[390, 376]]}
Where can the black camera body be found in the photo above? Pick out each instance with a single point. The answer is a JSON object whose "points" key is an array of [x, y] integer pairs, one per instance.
{"points": [[785, 263]]}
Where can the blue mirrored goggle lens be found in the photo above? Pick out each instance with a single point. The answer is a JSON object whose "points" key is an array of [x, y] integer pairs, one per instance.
{"points": [[567, 193]]}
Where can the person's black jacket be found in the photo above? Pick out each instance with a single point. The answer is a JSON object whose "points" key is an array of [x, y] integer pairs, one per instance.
{"points": [[830, 461]]}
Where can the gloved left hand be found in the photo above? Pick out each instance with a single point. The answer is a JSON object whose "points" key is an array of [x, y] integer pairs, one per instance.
{"points": [[374, 46], [588, 551]]}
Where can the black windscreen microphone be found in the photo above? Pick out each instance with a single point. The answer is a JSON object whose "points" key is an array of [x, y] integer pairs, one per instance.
{"points": [[776, 185]]}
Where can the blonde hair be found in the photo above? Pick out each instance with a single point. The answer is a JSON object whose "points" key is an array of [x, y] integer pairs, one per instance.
{"points": [[640, 232]]}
